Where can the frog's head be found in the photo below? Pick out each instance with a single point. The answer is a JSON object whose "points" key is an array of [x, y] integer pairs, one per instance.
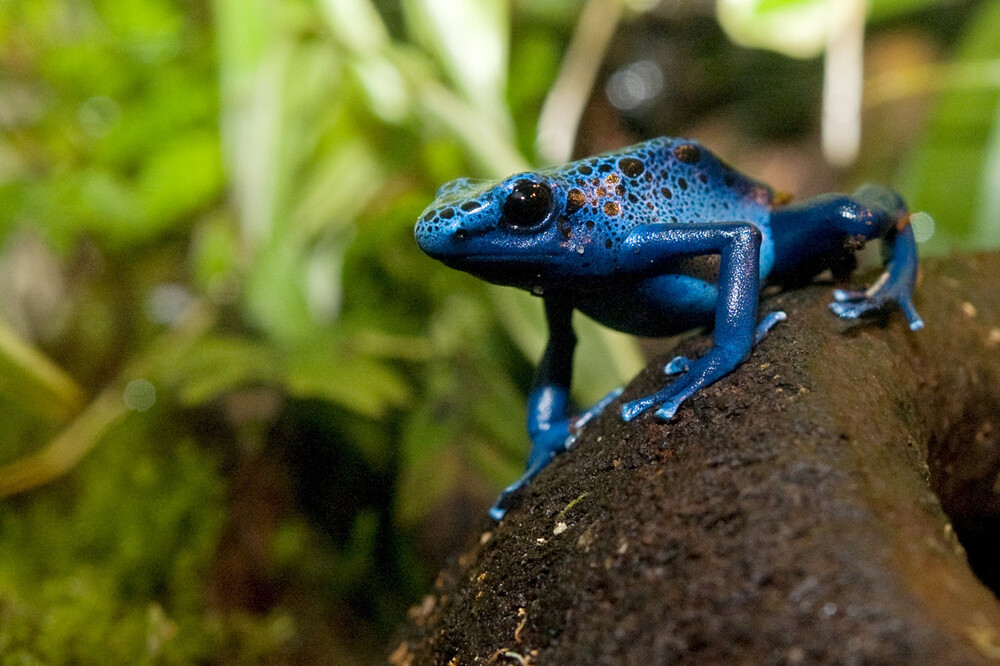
{"points": [[504, 232]]}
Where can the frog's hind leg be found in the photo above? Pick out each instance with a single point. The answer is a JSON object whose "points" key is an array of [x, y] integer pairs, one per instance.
{"points": [[819, 228], [895, 284]]}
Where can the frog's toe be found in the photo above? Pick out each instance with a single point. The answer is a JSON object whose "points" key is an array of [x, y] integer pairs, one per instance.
{"points": [[855, 304], [668, 409], [912, 316], [499, 508], [851, 309], [630, 410], [842, 295], [502, 503], [677, 365], [556, 437], [666, 400], [767, 323], [597, 408]]}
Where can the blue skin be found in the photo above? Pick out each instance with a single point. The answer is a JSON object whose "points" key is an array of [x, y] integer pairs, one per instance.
{"points": [[653, 240]]}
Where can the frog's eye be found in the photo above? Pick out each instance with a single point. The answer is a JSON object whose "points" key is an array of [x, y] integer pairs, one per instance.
{"points": [[527, 206]]}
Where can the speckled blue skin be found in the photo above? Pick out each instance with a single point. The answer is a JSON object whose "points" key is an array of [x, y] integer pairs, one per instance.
{"points": [[652, 240]]}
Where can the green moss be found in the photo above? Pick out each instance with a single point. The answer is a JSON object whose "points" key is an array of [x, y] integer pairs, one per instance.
{"points": [[110, 566]]}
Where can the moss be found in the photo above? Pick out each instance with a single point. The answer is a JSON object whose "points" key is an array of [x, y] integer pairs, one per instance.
{"points": [[110, 566]]}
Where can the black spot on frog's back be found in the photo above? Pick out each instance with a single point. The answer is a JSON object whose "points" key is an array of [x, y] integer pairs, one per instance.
{"points": [[631, 166]]}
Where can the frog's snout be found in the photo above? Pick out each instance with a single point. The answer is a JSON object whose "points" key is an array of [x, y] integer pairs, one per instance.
{"points": [[439, 236]]}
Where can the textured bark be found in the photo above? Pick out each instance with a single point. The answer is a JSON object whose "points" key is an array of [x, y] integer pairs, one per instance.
{"points": [[787, 514]]}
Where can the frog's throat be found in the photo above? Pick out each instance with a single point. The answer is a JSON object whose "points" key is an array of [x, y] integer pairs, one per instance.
{"points": [[523, 272]]}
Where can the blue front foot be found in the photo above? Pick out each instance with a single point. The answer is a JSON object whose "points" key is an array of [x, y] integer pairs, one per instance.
{"points": [[679, 364], [703, 372], [596, 409], [547, 443]]}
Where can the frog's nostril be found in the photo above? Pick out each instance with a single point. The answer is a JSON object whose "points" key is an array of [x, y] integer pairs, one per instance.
{"points": [[460, 234]]}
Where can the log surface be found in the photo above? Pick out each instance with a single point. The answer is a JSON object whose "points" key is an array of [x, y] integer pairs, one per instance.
{"points": [[790, 513]]}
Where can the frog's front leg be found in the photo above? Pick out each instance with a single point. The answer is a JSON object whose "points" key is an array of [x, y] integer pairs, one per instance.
{"points": [[738, 244], [550, 427]]}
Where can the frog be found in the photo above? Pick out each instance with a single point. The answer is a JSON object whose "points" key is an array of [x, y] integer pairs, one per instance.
{"points": [[653, 240]]}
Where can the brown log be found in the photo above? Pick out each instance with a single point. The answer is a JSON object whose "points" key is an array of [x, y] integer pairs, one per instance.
{"points": [[787, 514]]}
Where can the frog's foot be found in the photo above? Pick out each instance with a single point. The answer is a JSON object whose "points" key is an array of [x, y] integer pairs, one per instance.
{"points": [[856, 304], [701, 373], [499, 508], [718, 362], [679, 364], [547, 443], [896, 284], [595, 410]]}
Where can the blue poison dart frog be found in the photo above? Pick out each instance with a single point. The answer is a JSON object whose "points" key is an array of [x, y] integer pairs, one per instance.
{"points": [[653, 240]]}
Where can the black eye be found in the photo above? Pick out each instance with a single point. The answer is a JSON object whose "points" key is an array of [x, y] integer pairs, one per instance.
{"points": [[527, 206]]}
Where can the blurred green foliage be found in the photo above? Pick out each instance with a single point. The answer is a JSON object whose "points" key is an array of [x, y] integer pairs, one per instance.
{"points": [[218, 198], [954, 169]]}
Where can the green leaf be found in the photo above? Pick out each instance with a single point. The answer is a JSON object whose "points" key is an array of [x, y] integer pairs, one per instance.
{"points": [[214, 254], [887, 9], [430, 462], [986, 229], [469, 39], [275, 293], [797, 28], [245, 33], [800, 28], [338, 185], [218, 365], [953, 170], [357, 24], [361, 385], [33, 381], [181, 177]]}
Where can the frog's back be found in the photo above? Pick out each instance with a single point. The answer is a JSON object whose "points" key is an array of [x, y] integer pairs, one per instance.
{"points": [[666, 180]]}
